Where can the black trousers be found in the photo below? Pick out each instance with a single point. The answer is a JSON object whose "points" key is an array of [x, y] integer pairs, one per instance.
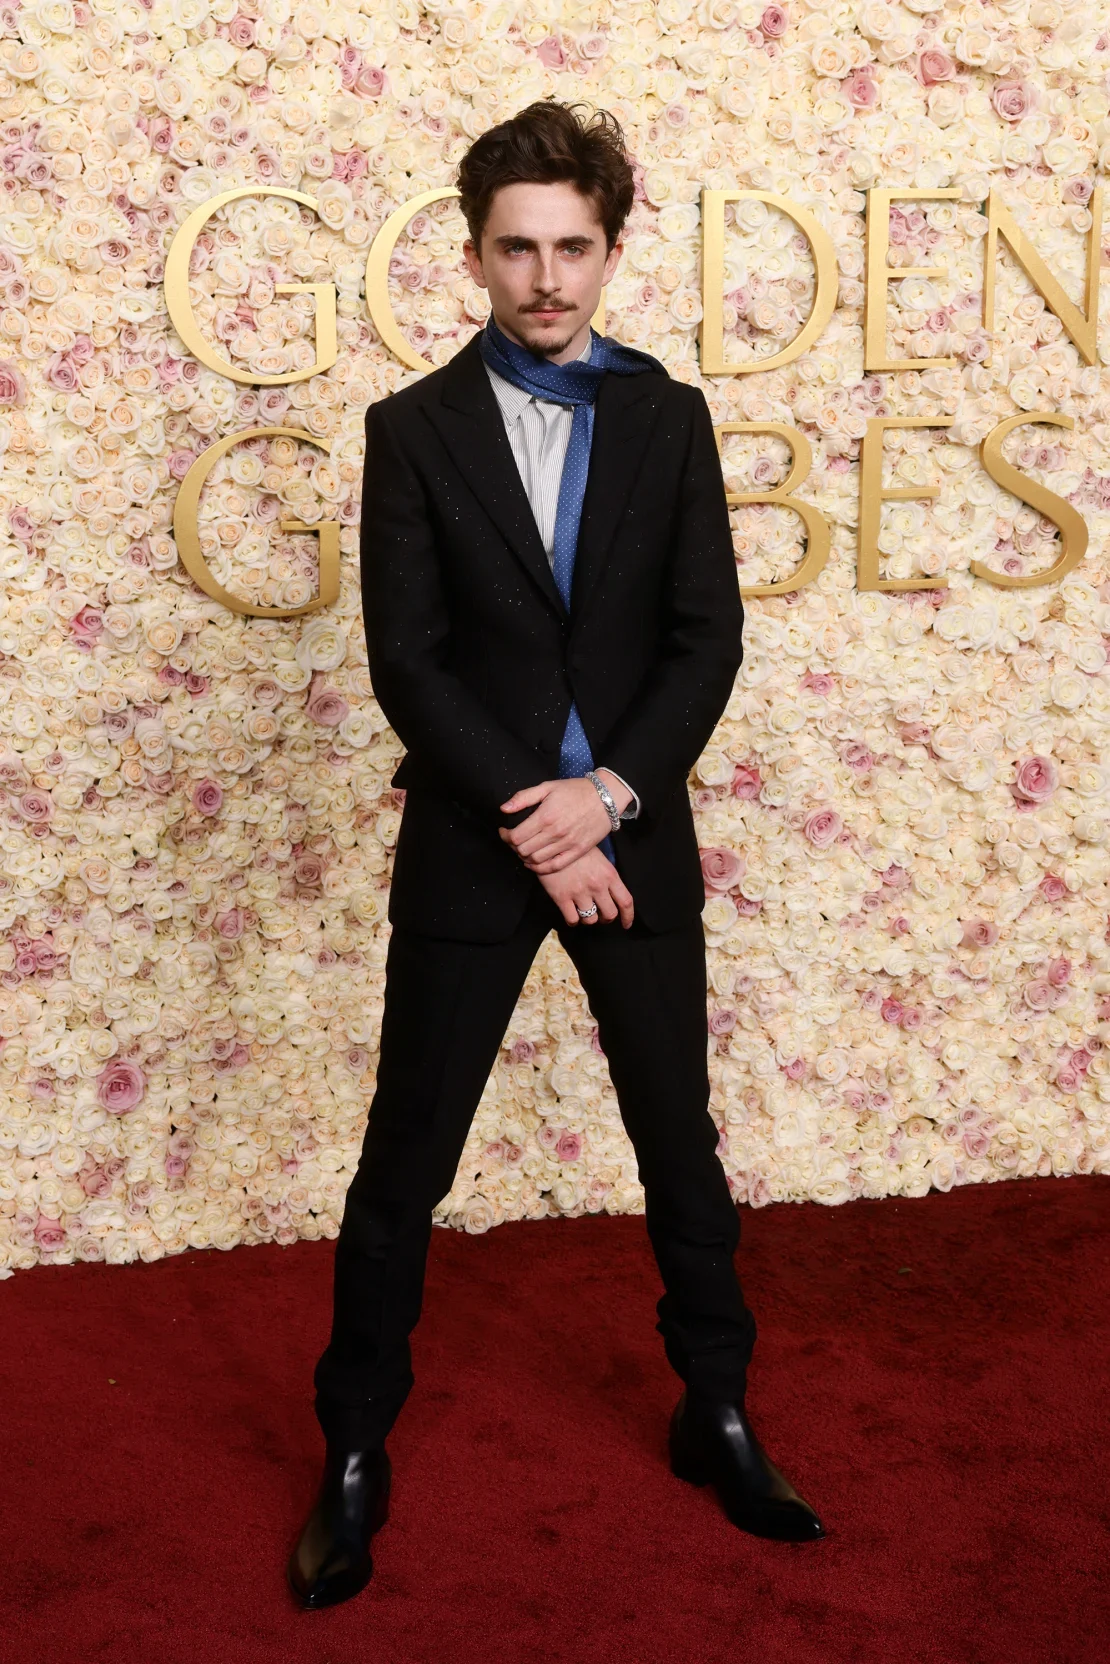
{"points": [[447, 1005]]}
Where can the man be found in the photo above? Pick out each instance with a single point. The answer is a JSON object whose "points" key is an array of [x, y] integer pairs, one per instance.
{"points": [[554, 627]]}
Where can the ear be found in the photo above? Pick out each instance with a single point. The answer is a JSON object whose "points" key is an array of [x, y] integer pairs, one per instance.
{"points": [[612, 260], [474, 263]]}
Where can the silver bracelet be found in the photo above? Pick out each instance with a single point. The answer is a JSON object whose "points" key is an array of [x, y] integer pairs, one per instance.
{"points": [[607, 799]]}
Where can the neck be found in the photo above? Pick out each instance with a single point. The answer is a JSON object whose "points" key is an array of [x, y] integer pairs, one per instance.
{"points": [[572, 350]]}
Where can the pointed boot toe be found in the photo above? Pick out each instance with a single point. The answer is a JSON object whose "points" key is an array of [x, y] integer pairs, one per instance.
{"points": [[715, 1444]]}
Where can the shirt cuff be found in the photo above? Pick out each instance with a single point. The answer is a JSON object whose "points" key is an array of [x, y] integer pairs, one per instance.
{"points": [[633, 810]]}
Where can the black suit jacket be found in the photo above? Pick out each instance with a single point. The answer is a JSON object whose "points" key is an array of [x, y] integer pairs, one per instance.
{"points": [[475, 660]]}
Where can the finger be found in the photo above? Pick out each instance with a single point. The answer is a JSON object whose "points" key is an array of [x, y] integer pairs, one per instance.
{"points": [[531, 831], [551, 849], [556, 863], [623, 898], [569, 912], [588, 901], [532, 844], [606, 906], [531, 794]]}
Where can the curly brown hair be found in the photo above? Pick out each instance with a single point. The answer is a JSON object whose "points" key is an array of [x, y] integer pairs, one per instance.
{"points": [[545, 143]]}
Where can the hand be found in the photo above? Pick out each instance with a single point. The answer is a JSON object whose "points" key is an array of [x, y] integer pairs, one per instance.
{"points": [[592, 880], [569, 819]]}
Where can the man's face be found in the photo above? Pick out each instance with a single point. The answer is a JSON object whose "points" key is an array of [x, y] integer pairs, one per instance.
{"points": [[544, 261]]}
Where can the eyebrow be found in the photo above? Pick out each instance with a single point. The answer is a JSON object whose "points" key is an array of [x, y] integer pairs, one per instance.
{"points": [[530, 242]]}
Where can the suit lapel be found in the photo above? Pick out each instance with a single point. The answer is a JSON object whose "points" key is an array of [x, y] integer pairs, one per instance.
{"points": [[623, 420], [468, 419]]}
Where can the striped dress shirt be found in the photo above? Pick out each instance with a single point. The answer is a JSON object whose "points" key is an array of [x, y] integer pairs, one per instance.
{"points": [[539, 433]]}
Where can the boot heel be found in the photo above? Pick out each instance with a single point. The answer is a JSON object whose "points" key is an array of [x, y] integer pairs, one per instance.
{"points": [[685, 1466]]}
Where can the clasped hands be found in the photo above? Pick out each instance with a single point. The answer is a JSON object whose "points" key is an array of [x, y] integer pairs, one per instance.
{"points": [[558, 842]]}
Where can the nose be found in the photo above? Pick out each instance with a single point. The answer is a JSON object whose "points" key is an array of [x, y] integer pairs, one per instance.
{"points": [[546, 278]]}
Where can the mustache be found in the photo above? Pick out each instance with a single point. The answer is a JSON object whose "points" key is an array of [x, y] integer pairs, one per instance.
{"points": [[547, 306]]}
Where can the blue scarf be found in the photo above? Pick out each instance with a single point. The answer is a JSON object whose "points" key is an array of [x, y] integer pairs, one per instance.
{"points": [[577, 384]]}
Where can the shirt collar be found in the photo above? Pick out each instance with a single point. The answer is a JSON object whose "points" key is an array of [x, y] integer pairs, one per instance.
{"points": [[513, 399]]}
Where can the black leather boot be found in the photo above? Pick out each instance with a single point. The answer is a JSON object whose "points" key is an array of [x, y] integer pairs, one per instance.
{"points": [[332, 1561], [714, 1443]]}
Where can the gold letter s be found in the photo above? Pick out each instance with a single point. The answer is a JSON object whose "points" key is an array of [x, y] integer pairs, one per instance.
{"points": [[1073, 527]]}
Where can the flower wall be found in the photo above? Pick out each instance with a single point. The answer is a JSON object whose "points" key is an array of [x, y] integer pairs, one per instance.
{"points": [[903, 811]]}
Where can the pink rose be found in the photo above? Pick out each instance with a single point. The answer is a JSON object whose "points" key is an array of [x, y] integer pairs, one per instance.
{"points": [[370, 82], [1053, 888], [935, 65], [823, 828], [309, 870], [912, 1017], [13, 388], [120, 1085], [179, 463], [522, 1051], [1012, 100], [327, 707], [1059, 972], [860, 89], [88, 624], [747, 782], [550, 53], [720, 869], [61, 372], [818, 682], [36, 806], [892, 1011], [231, 924], [722, 1021], [207, 797], [980, 933], [1039, 994], [569, 1147], [774, 22], [795, 1069], [49, 1233], [1036, 780]]}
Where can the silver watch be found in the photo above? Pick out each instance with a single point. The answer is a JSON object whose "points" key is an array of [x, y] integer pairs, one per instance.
{"points": [[607, 799]]}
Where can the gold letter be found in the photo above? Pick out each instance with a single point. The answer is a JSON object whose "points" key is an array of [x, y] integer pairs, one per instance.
{"points": [[378, 303], [873, 493], [186, 531], [879, 275], [181, 312], [1073, 527], [713, 282], [817, 527], [1083, 329]]}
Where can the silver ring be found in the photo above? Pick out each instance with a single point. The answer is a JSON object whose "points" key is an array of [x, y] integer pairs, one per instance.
{"points": [[586, 912]]}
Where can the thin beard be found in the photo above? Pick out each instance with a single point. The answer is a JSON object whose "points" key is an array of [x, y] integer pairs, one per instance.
{"points": [[551, 347]]}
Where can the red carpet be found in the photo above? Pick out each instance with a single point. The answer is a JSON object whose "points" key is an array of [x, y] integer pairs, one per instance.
{"points": [[948, 1420]]}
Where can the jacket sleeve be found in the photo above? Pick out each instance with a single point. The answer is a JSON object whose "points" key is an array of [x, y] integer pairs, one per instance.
{"points": [[669, 723], [435, 714]]}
